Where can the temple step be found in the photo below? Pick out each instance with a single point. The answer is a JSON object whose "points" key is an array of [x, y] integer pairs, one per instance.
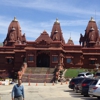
{"points": [[37, 78], [38, 74], [38, 70]]}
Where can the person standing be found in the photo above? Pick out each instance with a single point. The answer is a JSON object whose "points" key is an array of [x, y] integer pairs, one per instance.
{"points": [[18, 91]]}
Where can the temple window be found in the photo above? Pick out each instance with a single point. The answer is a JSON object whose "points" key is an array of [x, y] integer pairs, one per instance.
{"points": [[92, 61], [69, 60], [55, 58], [9, 60], [31, 57]]}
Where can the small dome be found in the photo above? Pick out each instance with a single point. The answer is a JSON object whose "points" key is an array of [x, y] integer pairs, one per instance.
{"points": [[70, 42]]}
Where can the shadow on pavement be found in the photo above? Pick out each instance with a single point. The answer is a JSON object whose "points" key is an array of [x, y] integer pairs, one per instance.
{"points": [[78, 95]]}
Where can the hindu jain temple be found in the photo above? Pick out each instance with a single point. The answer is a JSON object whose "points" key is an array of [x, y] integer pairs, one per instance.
{"points": [[49, 51]]}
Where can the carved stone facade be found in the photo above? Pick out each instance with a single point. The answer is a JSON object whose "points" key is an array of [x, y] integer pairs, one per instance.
{"points": [[49, 51]]}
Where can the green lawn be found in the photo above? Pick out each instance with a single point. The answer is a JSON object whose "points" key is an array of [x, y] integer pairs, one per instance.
{"points": [[73, 72]]}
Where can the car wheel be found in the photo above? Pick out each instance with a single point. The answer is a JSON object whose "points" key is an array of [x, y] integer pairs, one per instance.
{"points": [[76, 91], [98, 97], [81, 93], [86, 95]]}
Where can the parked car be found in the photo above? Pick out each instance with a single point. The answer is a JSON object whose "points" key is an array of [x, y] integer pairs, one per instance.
{"points": [[85, 86], [85, 75], [94, 88], [74, 81], [97, 75], [78, 87]]}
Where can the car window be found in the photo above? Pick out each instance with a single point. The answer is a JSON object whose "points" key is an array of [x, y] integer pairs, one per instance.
{"points": [[94, 82], [88, 73], [77, 80], [97, 74], [81, 79], [87, 81], [80, 74]]}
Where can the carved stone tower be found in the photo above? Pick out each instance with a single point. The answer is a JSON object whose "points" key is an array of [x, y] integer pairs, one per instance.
{"points": [[91, 36], [56, 34], [14, 35]]}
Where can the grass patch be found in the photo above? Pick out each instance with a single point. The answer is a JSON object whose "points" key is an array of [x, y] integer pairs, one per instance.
{"points": [[73, 72]]}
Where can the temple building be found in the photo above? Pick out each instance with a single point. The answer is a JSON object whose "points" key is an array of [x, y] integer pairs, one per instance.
{"points": [[49, 51]]}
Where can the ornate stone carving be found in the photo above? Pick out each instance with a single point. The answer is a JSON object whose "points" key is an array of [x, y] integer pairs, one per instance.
{"points": [[43, 43]]}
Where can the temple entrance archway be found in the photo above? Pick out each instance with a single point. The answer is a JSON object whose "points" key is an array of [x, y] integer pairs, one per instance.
{"points": [[43, 60]]}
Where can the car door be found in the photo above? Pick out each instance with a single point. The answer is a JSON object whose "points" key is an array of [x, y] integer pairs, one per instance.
{"points": [[92, 87]]}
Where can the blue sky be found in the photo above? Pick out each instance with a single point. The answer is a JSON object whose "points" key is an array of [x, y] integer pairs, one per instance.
{"points": [[35, 16]]}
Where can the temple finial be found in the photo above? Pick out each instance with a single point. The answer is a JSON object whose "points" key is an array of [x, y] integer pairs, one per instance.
{"points": [[70, 37], [44, 31], [56, 20], [92, 19], [15, 19]]}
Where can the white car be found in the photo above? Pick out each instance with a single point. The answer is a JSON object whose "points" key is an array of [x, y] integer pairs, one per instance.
{"points": [[85, 75], [94, 88]]}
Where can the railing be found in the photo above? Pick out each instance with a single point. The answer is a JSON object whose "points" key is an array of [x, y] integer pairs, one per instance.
{"points": [[22, 71]]}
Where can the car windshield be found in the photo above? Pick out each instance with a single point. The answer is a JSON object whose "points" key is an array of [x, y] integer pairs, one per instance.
{"points": [[88, 81], [80, 74], [77, 80]]}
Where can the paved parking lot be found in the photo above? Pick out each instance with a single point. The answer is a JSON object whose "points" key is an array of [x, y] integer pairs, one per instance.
{"points": [[47, 92]]}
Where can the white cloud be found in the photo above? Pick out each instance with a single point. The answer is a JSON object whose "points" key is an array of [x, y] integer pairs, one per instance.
{"points": [[74, 22], [83, 10], [60, 6]]}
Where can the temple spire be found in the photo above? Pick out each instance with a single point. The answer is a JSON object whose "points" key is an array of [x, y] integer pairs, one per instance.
{"points": [[56, 33]]}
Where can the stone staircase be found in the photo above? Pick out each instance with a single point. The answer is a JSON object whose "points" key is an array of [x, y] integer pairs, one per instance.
{"points": [[38, 75]]}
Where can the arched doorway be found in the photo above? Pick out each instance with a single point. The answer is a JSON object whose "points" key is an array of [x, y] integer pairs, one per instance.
{"points": [[43, 60]]}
